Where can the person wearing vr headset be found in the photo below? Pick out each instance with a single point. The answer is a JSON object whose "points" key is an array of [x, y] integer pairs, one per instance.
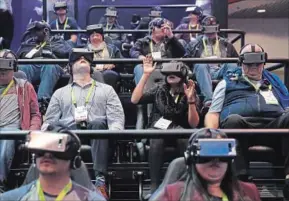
{"points": [[175, 106], [18, 109], [57, 152], [102, 50], [253, 98], [42, 45], [210, 174], [63, 22], [89, 105], [194, 15], [110, 22], [210, 45]]}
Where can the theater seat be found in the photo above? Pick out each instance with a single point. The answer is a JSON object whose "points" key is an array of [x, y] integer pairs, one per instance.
{"points": [[79, 175], [175, 172]]}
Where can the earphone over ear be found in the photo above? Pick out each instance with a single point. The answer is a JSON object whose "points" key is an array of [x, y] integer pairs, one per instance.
{"points": [[5, 56]]}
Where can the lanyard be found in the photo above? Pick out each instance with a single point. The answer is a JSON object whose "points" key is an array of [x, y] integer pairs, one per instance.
{"points": [[190, 27], [215, 50], [60, 196], [7, 88], [65, 24], [256, 88], [87, 97], [224, 197], [41, 45]]}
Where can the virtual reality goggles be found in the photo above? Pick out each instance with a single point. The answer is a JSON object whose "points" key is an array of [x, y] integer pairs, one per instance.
{"points": [[110, 13], [98, 28], [179, 69], [253, 58], [58, 144], [210, 29], [77, 53], [7, 64], [205, 150], [59, 5]]}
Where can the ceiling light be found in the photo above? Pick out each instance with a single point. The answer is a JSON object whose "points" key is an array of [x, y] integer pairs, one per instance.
{"points": [[261, 10]]}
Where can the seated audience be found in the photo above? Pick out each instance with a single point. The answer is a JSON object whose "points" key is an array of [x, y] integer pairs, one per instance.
{"points": [[18, 109], [175, 107], [89, 105], [43, 46], [64, 23], [210, 45], [254, 99], [54, 165], [102, 50], [210, 174], [110, 22], [160, 44], [195, 14]]}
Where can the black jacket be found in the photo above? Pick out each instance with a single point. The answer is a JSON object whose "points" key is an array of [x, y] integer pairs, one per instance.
{"points": [[173, 47], [196, 48]]}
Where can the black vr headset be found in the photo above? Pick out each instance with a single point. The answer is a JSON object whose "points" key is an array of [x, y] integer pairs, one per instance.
{"points": [[98, 28], [210, 25], [205, 150], [77, 53], [59, 5], [8, 63], [175, 68], [252, 57]]}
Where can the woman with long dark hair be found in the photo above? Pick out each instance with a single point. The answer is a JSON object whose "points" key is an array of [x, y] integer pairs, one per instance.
{"points": [[209, 179]]}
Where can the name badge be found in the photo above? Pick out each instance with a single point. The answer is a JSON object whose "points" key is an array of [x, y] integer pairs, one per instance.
{"points": [[162, 124], [30, 54], [80, 114], [156, 55], [269, 97]]}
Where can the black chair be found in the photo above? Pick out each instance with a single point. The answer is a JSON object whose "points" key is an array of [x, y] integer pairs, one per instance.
{"points": [[175, 172]]}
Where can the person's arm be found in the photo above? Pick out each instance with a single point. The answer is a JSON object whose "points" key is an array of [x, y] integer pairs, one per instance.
{"points": [[74, 26], [213, 116], [148, 69], [193, 116], [136, 50], [35, 116], [53, 112], [114, 111]]}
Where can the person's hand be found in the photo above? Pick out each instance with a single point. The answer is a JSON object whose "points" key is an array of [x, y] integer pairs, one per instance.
{"points": [[189, 90], [108, 66], [141, 57], [167, 30], [99, 67], [148, 66]]}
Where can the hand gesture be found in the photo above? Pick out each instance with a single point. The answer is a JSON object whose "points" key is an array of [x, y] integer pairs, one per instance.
{"points": [[148, 66], [189, 90], [167, 30]]}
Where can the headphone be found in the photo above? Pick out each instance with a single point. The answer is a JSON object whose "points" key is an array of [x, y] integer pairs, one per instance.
{"points": [[253, 49], [5, 56], [76, 145]]}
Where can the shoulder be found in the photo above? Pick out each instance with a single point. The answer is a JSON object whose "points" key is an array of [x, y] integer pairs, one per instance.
{"points": [[250, 190], [17, 193], [174, 190], [59, 92], [86, 193]]}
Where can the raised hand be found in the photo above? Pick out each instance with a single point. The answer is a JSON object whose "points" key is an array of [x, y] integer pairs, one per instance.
{"points": [[189, 90], [148, 66]]}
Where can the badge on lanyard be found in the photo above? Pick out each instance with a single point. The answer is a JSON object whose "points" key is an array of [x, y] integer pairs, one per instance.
{"points": [[30, 54], [156, 55], [163, 124], [80, 114], [269, 97]]}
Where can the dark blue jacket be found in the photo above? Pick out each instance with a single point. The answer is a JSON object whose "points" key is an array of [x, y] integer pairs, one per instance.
{"points": [[243, 99]]}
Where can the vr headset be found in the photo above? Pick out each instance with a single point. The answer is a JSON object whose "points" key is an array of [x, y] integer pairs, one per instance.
{"points": [[59, 5], [98, 28], [253, 58], [205, 150], [56, 143], [174, 68], [210, 29], [77, 53], [7, 64]]}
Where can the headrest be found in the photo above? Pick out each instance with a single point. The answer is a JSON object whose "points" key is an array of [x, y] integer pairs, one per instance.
{"points": [[60, 4], [97, 28], [110, 12], [195, 10], [156, 11], [77, 53]]}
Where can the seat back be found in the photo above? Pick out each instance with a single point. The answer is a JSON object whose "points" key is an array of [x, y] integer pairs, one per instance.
{"points": [[80, 176], [176, 170]]}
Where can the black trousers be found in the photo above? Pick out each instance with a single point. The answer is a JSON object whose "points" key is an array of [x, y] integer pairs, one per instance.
{"points": [[156, 158], [279, 143]]}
